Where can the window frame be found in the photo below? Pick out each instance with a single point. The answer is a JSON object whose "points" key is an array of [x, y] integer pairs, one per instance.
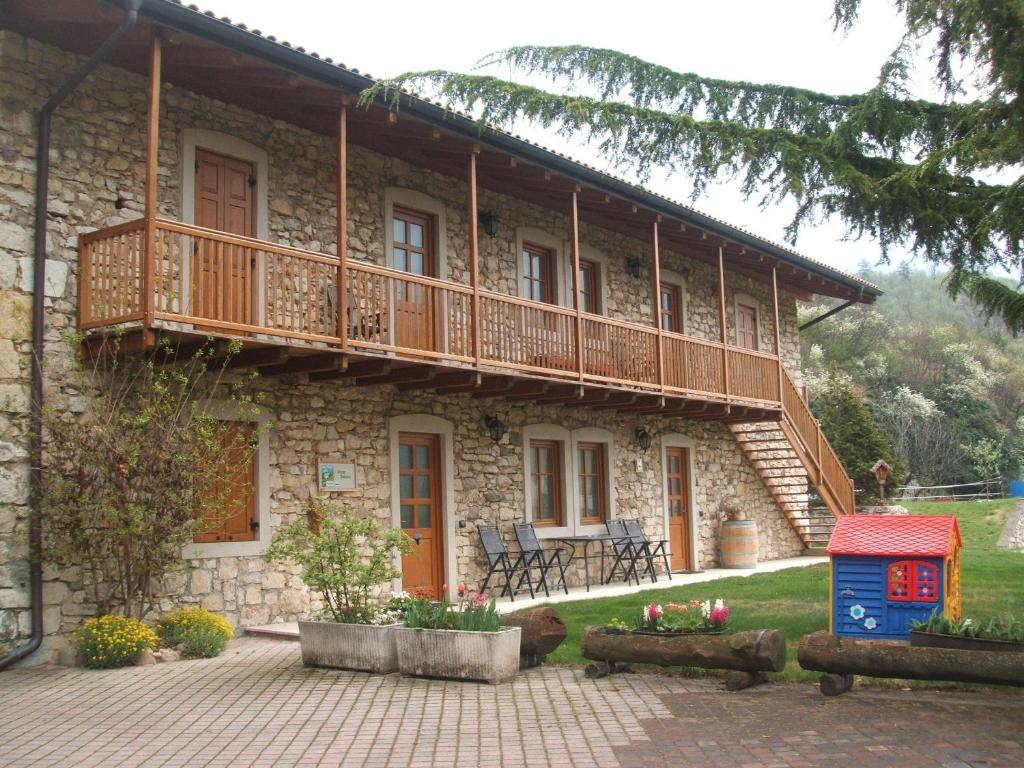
{"points": [[590, 278], [557, 474], [600, 476], [677, 309], [547, 278], [911, 580], [428, 250]]}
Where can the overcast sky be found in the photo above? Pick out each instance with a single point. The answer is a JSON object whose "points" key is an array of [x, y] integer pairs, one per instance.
{"points": [[786, 41]]}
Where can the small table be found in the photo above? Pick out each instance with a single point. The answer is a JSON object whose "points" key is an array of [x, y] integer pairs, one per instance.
{"points": [[584, 542]]}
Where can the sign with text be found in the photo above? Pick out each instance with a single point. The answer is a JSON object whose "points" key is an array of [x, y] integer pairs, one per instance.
{"points": [[333, 476]]}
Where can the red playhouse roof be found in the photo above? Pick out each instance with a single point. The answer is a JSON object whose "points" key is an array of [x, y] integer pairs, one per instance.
{"points": [[880, 535]]}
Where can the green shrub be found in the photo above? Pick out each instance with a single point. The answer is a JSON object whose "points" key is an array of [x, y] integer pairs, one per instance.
{"points": [[113, 641], [174, 628], [202, 641]]}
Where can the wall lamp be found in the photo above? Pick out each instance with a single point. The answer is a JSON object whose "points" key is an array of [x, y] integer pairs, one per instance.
{"points": [[644, 438], [496, 427], [489, 222], [633, 267]]}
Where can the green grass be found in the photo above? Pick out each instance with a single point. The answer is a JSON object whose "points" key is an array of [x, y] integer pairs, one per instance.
{"points": [[796, 600]]}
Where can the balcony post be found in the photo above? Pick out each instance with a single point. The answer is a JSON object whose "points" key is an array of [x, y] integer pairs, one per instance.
{"points": [[341, 223], [656, 303], [575, 243], [474, 251], [778, 327], [152, 162], [721, 319]]}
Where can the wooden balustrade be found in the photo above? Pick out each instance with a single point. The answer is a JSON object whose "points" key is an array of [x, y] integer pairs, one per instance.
{"points": [[213, 281]]}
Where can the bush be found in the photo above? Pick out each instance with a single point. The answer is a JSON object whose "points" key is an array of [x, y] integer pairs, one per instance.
{"points": [[113, 641], [194, 628]]}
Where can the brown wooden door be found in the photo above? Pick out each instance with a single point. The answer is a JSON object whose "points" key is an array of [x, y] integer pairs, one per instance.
{"points": [[746, 326], [222, 273], [235, 494], [421, 511], [678, 502], [413, 252]]}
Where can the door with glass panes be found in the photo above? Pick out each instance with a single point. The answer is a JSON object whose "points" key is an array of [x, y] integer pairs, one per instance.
{"points": [[413, 252], [421, 511]]}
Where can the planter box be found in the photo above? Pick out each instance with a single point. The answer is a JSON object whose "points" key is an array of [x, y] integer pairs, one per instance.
{"points": [[922, 639], [492, 657], [362, 647]]}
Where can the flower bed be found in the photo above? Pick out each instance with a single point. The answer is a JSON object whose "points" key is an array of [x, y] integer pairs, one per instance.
{"points": [[692, 618], [1001, 634]]}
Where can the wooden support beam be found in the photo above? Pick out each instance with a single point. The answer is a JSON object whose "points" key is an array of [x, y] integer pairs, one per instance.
{"points": [[418, 373], [474, 252], [526, 390], [575, 245], [778, 329], [560, 395], [614, 403], [656, 304], [721, 319], [352, 370], [341, 226], [308, 364], [152, 163], [493, 387], [443, 381], [592, 397], [257, 357]]}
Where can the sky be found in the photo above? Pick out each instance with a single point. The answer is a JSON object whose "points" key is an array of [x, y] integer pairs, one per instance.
{"points": [[790, 42]]}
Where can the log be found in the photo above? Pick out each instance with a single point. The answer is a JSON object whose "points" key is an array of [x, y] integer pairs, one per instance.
{"points": [[823, 652], [760, 650], [833, 685], [543, 631], [737, 681]]}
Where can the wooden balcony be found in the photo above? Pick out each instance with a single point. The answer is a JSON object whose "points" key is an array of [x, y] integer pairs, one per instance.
{"points": [[414, 331]]}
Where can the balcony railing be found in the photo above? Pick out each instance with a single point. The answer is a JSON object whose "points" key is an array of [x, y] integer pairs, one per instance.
{"points": [[217, 282]]}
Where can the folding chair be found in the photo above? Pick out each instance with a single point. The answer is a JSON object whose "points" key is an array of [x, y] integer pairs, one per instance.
{"points": [[649, 549], [534, 557], [625, 553], [500, 561]]}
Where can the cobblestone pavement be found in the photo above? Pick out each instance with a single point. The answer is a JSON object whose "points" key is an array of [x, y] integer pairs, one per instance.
{"points": [[256, 705]]}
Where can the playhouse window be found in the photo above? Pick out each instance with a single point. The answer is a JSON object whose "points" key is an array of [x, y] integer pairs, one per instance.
{"points": [[914, 581]]}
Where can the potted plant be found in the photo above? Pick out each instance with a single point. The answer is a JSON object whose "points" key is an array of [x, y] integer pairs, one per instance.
{"points": [[1003, 633], [346, 559], [461, 642]]}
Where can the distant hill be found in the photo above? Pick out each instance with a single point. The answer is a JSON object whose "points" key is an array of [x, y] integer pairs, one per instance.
{"points": [[944, 382]]}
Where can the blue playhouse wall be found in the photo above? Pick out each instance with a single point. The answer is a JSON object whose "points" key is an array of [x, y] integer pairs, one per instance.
{"points": [[860, 603]]}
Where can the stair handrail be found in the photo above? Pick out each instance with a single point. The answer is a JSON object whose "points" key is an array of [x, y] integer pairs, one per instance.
{"points": [[831, 473]]}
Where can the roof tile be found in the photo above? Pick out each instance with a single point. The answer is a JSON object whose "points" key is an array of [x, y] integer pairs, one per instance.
{"points": [[881, 535]]}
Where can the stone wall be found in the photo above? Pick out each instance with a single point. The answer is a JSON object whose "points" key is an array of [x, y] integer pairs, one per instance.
{"points": [[97, 175]]}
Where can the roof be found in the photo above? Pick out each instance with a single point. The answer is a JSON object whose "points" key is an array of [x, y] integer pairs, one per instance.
{"points": [[239, 37], [880, 535]]}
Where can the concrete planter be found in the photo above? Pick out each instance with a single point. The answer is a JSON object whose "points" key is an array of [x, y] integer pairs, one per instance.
{"points": [[492, 657], [363, 647]]}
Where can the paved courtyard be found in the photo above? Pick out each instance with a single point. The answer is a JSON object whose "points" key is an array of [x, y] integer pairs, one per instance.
{"points": [[256, 705]]}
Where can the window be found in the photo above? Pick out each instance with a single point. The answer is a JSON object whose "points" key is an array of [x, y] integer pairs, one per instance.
{"points": [[546, 483], [234, 497], [670, 304], [413, 242], [537, 273], [590, 297], [913, 581], [746, 326], [592, 473]]}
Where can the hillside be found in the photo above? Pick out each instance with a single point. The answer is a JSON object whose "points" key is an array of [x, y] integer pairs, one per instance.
{"points": [[943, 382]]}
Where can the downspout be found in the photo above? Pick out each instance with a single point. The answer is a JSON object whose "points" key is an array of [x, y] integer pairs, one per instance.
{"points": [[131, 16]]}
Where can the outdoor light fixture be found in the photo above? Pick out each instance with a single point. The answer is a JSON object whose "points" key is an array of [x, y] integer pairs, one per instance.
{"points": [[489, 222], [633, 267], [644, 438], [496, 427]]}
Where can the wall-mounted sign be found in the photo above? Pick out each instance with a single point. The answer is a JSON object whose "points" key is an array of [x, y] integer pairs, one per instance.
{"points": [[333, 476]]}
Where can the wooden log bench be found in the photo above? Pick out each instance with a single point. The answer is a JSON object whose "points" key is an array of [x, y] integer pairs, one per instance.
{"points": [[840, 658]]}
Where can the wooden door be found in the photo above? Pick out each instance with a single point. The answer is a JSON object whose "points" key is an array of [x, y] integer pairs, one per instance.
{"points": [[413, 252], [669, 303], [678, 503], [222, 273], [421, 511], [746, 326], [235, 494]]}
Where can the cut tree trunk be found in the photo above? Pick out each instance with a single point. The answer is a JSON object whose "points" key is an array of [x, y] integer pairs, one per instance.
{"points": [[824, 652], [542, 631], [760, 650]]}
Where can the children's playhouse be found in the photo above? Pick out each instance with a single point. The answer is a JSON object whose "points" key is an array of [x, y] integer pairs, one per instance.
{"points": [[888, 570]]}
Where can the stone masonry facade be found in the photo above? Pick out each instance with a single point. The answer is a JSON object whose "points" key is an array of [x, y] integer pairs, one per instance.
{"points": [[97, 178]]}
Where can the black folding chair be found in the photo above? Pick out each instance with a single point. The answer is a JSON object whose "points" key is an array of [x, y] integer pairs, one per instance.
{"points": [[649, 549], [500, 561], [625, 553], [533, 556]]}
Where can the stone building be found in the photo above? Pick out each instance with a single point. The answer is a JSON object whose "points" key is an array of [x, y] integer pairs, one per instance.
{"points": [[661, 387]]}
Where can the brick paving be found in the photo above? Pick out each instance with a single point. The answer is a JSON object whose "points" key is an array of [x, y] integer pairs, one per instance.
{"points": [[257, 706]]}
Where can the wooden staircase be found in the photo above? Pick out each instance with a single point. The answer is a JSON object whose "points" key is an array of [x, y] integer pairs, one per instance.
{"points": [[793, 455]]}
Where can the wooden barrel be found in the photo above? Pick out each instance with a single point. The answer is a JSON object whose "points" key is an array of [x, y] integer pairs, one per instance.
{"points": [[739, 544]]}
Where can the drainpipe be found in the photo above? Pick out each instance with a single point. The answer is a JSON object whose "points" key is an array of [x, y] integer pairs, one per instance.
{"points": [[131, 16]]}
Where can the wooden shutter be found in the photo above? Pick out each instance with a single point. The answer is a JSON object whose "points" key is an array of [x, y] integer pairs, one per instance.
{"points": [[235, 493]]}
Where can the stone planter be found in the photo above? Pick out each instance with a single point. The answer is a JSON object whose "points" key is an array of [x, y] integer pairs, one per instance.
{"points": [[362, 647], [492, 657]]}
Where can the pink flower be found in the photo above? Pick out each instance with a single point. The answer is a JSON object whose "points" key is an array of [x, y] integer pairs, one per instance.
{"points": [[719, 615], [480, 599], [654, 612]]}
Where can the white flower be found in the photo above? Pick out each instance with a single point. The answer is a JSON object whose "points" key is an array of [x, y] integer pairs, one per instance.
{"points": [[705, 608], [857, 612], [870, 623], [719, 604]]}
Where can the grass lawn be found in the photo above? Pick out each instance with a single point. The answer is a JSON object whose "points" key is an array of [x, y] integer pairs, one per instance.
{"points": [[796, 600]]}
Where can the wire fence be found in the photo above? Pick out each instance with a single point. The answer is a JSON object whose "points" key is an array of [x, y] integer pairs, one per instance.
{"points": [[983, 489]]}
